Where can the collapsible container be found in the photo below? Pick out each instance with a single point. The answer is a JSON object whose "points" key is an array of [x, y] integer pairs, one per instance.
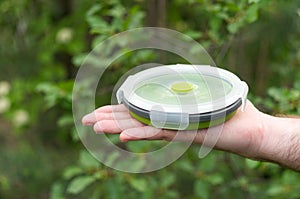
{"points": [[183, 97]]}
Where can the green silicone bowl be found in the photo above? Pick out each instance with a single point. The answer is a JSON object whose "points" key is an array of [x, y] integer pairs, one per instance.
{"points": [[183, 97]]}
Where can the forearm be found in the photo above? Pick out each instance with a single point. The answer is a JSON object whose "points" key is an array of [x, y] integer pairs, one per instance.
{"points": [[281, 141]]}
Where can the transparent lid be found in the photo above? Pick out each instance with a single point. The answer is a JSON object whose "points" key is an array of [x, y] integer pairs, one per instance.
{"points": [[181, 89], [191, 89]]}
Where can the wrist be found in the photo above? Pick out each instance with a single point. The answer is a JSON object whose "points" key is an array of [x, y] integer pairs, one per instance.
{"points": [[280, 141]]}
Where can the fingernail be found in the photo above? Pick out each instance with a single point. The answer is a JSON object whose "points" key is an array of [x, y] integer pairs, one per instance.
{"points": [[124, 137], [89, 119], [97, 128]]}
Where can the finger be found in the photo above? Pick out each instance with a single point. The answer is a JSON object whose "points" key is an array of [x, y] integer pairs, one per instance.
{"points": [[115, 126], [151, 133], [111, 108], [148, 133], [142, 133], [113, 116], [93, 117]]}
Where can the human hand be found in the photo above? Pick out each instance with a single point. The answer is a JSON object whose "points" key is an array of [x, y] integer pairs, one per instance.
{"points": [[251, 133], [242, 134]]}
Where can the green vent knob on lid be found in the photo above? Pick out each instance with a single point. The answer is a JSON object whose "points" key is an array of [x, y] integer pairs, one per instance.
{"points": [[182, 87]]}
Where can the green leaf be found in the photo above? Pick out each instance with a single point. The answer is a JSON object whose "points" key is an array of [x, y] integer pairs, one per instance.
{"points": [[99, 174], [117, 11], [297, 82], [57, 191], [97, 22], [233, 27], [112, 157], [233, 7], [194, 34], [293, 94], [75, 135], [215, 179], [78, 59], [289, 177], [252, 13], [65, 120], [46, 88], [51, 93], [140, 184], [4, 183], [71, 172], [135, 18], [276, 93], [215, 24], [79, 184], [114, 188], [252, 164], [87, 160], [202, 189], [208, 163], [97, 40], [139, 164], [186, 165], [253, 1], [275, 190], [172, 194], [168, 180], [94, 9]]}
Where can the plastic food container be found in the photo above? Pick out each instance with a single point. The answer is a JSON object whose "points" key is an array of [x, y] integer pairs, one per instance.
{"points": [[183, 97]]}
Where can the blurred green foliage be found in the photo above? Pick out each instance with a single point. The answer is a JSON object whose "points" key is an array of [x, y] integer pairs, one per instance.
{"points": [[44, 42]]}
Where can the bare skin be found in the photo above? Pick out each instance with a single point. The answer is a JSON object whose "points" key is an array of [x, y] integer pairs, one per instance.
{"points": [[251, 133]]}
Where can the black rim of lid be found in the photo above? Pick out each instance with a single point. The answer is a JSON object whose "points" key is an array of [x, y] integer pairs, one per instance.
{"points": [[200, 117]]}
